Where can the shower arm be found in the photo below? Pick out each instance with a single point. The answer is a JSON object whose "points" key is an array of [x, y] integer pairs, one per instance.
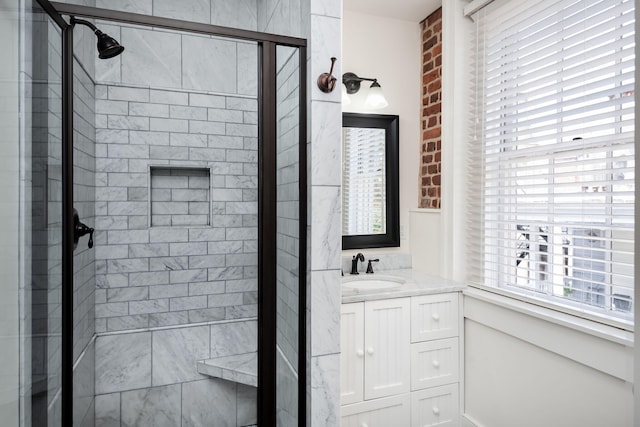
{"points": [[95, 29]]}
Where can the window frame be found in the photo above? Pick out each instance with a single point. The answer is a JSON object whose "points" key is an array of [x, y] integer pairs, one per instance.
{"points": [[549, 300]]}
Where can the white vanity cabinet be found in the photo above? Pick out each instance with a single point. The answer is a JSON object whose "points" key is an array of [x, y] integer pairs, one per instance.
{"points": [[375, 349], [400, 362]]}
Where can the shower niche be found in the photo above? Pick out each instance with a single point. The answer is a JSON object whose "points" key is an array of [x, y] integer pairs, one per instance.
{"points": [[179, 196]]}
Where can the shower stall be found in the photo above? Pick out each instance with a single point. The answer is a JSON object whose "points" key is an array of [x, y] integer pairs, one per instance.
{"points": [[162, 221]]}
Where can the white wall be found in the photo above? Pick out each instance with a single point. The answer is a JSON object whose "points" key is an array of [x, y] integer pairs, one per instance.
{"points": [[524, 370], [389, 50], [9, 203]]}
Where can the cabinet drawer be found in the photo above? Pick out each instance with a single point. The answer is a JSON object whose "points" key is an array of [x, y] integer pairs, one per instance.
{"points": [[434, 363], [385, 412], [434, 317], [436, 406]]}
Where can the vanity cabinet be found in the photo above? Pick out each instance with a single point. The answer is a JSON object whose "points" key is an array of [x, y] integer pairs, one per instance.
{"points": [[400, 361], [375, 349]]}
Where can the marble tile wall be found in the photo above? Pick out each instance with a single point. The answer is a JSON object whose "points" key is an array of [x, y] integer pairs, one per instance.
{"points": [[174, 60], [237, 14], [284, 17], [325, 113], [159, 276], [193, 115], [150, 377]]}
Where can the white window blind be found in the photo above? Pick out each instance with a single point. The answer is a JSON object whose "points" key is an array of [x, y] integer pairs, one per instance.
{"points": [[364, 181], [552, 153]]}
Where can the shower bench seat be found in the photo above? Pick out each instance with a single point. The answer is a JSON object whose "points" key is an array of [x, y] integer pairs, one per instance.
{"points": [[239, 368]]}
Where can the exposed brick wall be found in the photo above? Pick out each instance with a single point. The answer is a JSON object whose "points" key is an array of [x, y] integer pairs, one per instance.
{"points": [[430, 147]]}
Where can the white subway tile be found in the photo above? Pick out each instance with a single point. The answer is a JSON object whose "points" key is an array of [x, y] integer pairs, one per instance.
{"points": [[169, 125], [151, 306], [148, 110], [190, 113], [128, 94]]}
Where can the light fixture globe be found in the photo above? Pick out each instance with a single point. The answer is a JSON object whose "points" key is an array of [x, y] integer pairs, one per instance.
{"points": [[375, 98], [346, 99]]}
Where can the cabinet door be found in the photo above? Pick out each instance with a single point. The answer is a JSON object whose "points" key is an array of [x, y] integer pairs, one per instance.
{"points": [[434, 363], [436, 406], [390, 411], [352, 353], [434, 317], [387, 347]]}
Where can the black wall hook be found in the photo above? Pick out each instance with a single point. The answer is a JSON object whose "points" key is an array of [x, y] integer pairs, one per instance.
{"points": [[326, 81]]}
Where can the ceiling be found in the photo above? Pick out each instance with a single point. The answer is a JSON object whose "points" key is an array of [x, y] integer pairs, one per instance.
{"points": [[408, 10]]}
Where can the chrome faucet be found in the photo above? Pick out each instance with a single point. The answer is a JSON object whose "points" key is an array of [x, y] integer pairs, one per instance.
{"points": [[354, 263]]}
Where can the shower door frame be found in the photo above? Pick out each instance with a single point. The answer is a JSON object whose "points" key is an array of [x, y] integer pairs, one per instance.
{"points": [[267, 208]]}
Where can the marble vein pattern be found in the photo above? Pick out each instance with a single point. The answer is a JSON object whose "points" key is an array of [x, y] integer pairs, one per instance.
{"points": [[325, 390], [326, 248], [247, 405], [198, 53], [108, 410], [153, 58], [237, 14], [210, 402], [123, 362], [326, 169], [188, 10], [234, 338], [286, 393], [325, 300], [175, 353], [153, 406]]}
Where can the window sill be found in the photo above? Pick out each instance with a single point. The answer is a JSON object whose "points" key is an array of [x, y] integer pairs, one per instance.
{"points": [[565, 334], [615, 330]]}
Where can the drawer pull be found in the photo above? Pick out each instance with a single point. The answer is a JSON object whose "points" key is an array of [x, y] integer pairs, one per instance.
{"points": [[436, 410], [435, 364], [435, 316], [370, 351], [360, 353]]}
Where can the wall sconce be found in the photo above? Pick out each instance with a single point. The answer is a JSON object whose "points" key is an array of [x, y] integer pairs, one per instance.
{"points": [[351, 82]]}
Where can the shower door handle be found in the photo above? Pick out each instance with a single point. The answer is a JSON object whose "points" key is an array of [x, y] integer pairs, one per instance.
{"points": [[79, 230]]}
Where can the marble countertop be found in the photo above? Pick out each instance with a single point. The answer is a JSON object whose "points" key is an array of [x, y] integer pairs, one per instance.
{"points": [[416, 283]]}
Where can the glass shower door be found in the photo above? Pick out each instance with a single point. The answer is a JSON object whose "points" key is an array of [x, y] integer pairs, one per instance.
{"points": [[41, 200], [290, 242]]}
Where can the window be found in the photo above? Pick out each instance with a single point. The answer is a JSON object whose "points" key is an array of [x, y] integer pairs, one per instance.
{"points": [[553, 141]]}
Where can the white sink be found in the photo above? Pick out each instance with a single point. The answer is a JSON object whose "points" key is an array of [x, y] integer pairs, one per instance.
{"points": [[371, 283]]}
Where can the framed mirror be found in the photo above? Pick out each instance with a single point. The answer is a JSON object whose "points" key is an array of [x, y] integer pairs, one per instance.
{"points": [[370, 199]]}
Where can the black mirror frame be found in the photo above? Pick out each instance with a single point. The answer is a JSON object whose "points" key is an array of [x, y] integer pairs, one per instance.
{"points": [[390, 123]]}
